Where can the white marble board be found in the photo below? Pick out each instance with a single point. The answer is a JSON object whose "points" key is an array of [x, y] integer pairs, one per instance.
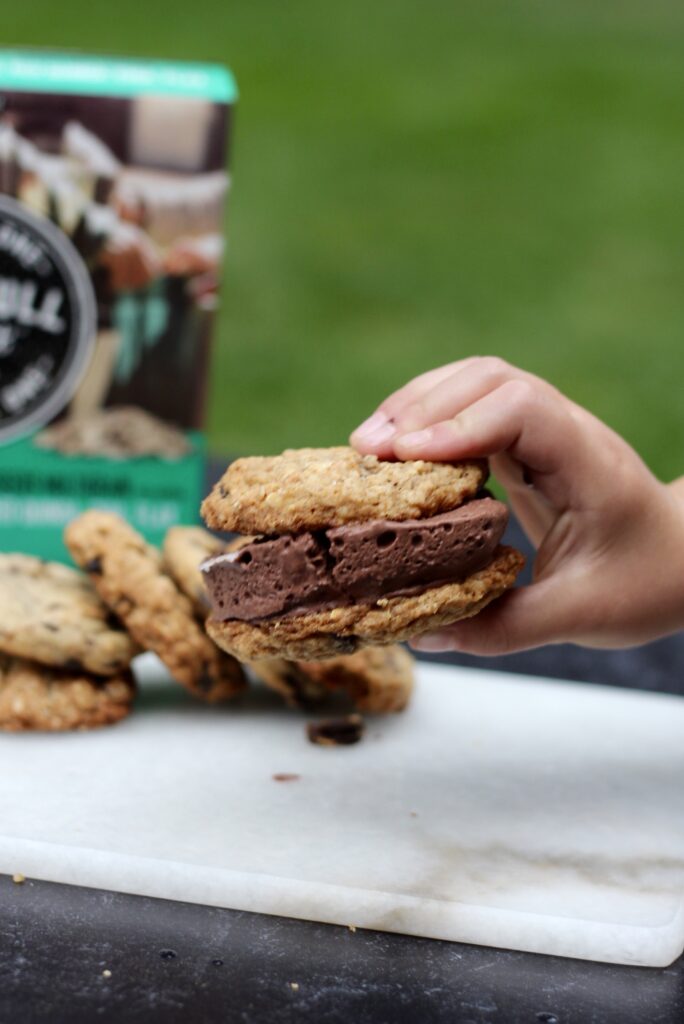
{"points": [[501, 810]]}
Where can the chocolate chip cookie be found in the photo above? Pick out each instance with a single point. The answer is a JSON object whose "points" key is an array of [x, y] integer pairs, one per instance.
{"points": [[38, 697], [50, 613]]}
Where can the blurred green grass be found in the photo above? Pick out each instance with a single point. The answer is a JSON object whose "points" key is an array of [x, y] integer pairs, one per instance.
{"points": [[418, 182]]}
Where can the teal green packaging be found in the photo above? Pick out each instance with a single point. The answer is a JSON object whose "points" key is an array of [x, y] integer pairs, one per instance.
{"points": [[113, 184]]}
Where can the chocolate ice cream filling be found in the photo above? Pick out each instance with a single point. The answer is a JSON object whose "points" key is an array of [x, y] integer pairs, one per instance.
{"points": [[358, 563]]}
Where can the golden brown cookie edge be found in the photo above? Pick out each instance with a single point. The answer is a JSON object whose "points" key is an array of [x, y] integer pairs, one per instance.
{"points": [[39, 698]]}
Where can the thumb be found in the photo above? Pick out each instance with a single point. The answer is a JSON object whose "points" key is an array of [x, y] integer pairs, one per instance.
{"points": [[528, 617]]}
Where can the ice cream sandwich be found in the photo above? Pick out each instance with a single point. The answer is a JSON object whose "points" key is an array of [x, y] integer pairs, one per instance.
{"points": [[348, 551]]}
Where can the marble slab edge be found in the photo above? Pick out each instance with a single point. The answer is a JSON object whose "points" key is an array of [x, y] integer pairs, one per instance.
{"points": [[635, 945]]}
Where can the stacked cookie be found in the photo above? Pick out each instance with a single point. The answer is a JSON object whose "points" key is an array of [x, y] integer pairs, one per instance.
{"points": [[130, 577], [64, 659], [67, 637]]}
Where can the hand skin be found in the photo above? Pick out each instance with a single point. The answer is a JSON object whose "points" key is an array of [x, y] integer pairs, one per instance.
{"points": [[609, 569]]}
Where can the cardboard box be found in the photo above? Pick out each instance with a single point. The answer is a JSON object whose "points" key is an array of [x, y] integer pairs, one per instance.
{"points": [[112, 189]]}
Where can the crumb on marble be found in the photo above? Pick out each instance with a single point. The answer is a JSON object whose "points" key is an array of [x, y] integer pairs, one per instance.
{"points": [[335, 732]]}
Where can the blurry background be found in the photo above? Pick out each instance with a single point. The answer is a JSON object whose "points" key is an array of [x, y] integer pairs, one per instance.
{"points": [[415, 182]]}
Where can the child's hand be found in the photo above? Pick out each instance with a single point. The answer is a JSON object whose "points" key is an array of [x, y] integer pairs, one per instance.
{"points": [[609, 570]]}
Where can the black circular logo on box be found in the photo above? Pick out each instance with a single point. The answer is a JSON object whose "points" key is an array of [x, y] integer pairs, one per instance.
{"points": [[47, 320]]}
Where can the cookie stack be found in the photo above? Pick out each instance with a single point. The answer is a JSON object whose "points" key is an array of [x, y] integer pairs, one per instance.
{"points": [[67, 638], [64, 659]]}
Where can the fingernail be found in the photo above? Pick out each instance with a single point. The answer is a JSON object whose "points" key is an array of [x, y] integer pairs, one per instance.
{"points": [[378, 419], [416, 439], [432, 642], [376, 430], [369, 426]]}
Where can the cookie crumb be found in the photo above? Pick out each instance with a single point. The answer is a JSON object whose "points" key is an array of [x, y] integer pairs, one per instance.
{"points": [[294, 985], [414, 814], [18, 879], [106, 973], [286, 777], [351, 927], [335, 732]]}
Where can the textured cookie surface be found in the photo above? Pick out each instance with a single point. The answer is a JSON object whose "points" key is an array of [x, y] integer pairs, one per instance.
{"points": [[128, 575], [378, 679], [324, 634], [311, 488], [297, 687], [39, 697], [51, 614], [184, 548]]}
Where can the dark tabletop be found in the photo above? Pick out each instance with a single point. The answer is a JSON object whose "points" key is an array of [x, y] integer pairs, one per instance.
{"points": [[78, 955]]}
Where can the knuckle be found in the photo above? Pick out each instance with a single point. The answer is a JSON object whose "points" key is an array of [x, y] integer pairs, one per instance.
{"points": [[500, 637], [495, 366], [487, 635], [494, 636], [410, 414], [520, 394], [391, 406]]}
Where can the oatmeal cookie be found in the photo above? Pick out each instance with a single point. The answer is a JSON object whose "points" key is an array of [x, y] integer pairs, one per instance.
{"points": [[315, 488], [129, 577]]}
